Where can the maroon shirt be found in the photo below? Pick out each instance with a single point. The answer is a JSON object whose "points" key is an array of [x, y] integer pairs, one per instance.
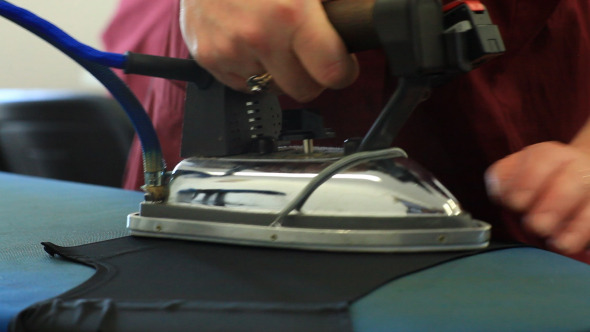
{"points": [[538, 91]]}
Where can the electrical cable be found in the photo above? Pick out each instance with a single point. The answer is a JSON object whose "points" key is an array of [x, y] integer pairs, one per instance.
{"points": [[327, 173]]}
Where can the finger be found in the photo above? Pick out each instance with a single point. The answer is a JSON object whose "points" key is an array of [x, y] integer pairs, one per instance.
{"points": [[527, 172], [565, 191], [230, 63], [214, 39], [252, 48], [503, 181], [535, 169], [275, 50], [575, 237], [329, 64], [310, 58], [236, 81], [499, 174], [290, 76]]}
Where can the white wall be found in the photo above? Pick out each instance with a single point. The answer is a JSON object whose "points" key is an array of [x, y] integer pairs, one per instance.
{"points": [[28, 62]]}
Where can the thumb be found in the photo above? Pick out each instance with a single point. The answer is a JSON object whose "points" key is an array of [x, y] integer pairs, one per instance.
{"points": [[499, 175]]}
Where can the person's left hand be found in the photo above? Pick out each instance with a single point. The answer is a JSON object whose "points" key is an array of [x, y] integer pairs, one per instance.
{"points": [[550, 184], [292, 40]]}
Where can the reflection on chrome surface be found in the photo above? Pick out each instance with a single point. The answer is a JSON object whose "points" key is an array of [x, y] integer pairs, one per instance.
{"points": [[392, 187]]}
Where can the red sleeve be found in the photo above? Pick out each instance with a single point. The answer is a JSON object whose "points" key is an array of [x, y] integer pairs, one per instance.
{"points": [[535, 92], [151, 27], [143, 27]]}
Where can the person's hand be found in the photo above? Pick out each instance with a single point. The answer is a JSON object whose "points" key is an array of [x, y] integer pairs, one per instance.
{"points": [[550, 184], [290, 39]]}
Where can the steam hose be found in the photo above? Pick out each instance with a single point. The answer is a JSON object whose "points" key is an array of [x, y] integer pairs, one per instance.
{"points": [[98, 63]]}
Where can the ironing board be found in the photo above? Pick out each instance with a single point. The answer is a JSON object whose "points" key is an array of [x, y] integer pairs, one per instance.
{"points": [[518, 289]]}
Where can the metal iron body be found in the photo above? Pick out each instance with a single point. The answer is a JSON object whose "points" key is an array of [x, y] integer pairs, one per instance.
{"points": [[238, 185], [383, 205]]}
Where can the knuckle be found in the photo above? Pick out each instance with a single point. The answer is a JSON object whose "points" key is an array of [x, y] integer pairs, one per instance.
{"points": [[206, 59], [236, 83], [289, 12], [543, 146], [584, 218], [584, 181], [334, 75], [536, 150], [226, 52], [255, 36], [575, 178]]}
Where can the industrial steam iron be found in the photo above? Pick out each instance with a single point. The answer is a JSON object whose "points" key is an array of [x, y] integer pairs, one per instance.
{"points": [[243, 182]]}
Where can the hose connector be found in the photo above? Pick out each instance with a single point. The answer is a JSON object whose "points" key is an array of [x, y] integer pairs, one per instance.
{"points": [[156, 186], [155, 176]]}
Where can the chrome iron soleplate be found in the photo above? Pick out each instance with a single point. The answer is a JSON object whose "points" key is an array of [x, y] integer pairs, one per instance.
{"points": [[474, 236]]}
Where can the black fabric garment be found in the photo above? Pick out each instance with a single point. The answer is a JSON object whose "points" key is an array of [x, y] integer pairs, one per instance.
{"points": [[145, 284]]}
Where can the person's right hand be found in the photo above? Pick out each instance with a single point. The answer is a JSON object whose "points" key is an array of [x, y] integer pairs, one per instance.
{"points": [[549, 183], [290, 39]]}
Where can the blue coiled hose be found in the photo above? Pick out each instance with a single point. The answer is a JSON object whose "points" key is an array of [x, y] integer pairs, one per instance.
{"points": [[98, 63]]}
